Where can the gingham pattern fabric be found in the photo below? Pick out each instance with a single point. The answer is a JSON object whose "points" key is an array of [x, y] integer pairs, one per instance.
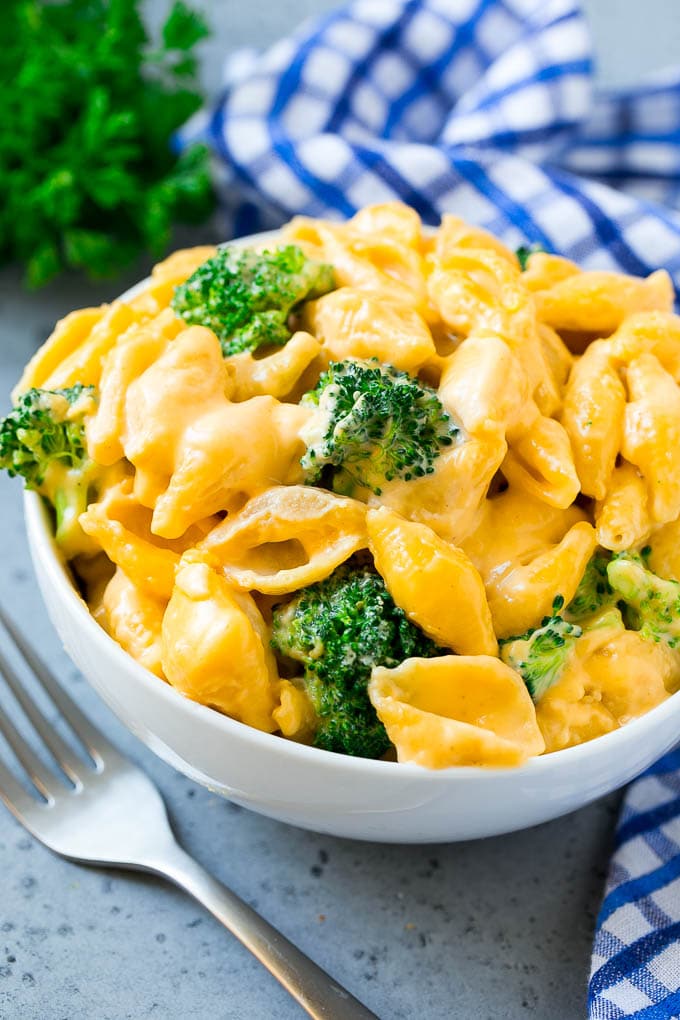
{"points": [[635, 968], [483, 108]]}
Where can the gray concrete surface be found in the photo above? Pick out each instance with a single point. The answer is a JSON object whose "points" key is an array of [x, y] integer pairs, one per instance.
{"points": [[492, 930]]}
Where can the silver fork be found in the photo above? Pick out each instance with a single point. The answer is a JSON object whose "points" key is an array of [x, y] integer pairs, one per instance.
{"points": [[110, 813]]}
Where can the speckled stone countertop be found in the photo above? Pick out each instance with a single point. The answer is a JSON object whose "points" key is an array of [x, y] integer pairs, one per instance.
{"points": [[491, 930]]}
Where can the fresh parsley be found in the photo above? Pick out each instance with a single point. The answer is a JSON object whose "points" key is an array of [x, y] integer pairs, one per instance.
{"points": [[88, 174]]}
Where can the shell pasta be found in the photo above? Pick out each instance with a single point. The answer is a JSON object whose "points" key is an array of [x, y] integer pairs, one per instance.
{"points": [[374, 487]]}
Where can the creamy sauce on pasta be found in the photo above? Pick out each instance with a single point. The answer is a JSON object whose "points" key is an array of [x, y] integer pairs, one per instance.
{"points": [[564, 448]]}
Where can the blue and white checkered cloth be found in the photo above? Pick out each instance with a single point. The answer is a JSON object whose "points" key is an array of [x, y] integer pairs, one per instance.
{"points": [[484, 108], [635, 968]]}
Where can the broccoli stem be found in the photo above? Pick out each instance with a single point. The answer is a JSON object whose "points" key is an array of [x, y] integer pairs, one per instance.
{"points": [[70, 499]]}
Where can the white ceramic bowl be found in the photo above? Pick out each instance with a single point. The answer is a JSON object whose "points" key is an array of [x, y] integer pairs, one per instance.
{"points": [[320, 790], [329, 792]]}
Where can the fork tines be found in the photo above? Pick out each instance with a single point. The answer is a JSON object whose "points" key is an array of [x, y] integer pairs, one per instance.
{"points": [[71, 765]]}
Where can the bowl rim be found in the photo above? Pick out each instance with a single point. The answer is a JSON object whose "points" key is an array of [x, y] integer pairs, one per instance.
{"points": [[39, 527]]}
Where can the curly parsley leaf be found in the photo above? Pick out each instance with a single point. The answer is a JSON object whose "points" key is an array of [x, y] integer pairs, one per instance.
{"points": [[88, 174]]}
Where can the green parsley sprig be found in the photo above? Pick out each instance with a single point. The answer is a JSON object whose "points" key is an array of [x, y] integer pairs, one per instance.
{"points": [[88, 176]]}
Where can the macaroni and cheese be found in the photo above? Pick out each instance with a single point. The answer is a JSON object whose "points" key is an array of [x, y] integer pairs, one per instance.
{"points": [[381, 489]]}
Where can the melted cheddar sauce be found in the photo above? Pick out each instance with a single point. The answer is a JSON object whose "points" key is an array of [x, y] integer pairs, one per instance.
{"points": [[565, 385]]}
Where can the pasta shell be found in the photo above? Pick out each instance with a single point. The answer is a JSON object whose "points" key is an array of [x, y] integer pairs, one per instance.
{"points": [[456, 710], [287, 538]]}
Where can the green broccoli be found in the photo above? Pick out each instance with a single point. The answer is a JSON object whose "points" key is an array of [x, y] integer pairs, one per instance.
{"points": [[594, 592], [246, 297], [609, 617], [541, 654], [339, 629], [524, 252], [373, 424], [43, 440], [652, 603]]}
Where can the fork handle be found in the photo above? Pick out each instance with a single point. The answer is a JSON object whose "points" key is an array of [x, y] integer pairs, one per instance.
{"points": [[315, 990]]}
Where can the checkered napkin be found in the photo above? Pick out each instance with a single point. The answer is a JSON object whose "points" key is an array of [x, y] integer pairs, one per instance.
{"points": [[484, 108], [635, 968]]}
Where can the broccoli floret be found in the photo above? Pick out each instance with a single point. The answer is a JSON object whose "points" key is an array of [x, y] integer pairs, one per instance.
{"points": [[652, 603], [339, 629], [43, 440], [610, 618], [373, 424], [524, 252], [246, 297], [541, 654], [594, 592]]}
